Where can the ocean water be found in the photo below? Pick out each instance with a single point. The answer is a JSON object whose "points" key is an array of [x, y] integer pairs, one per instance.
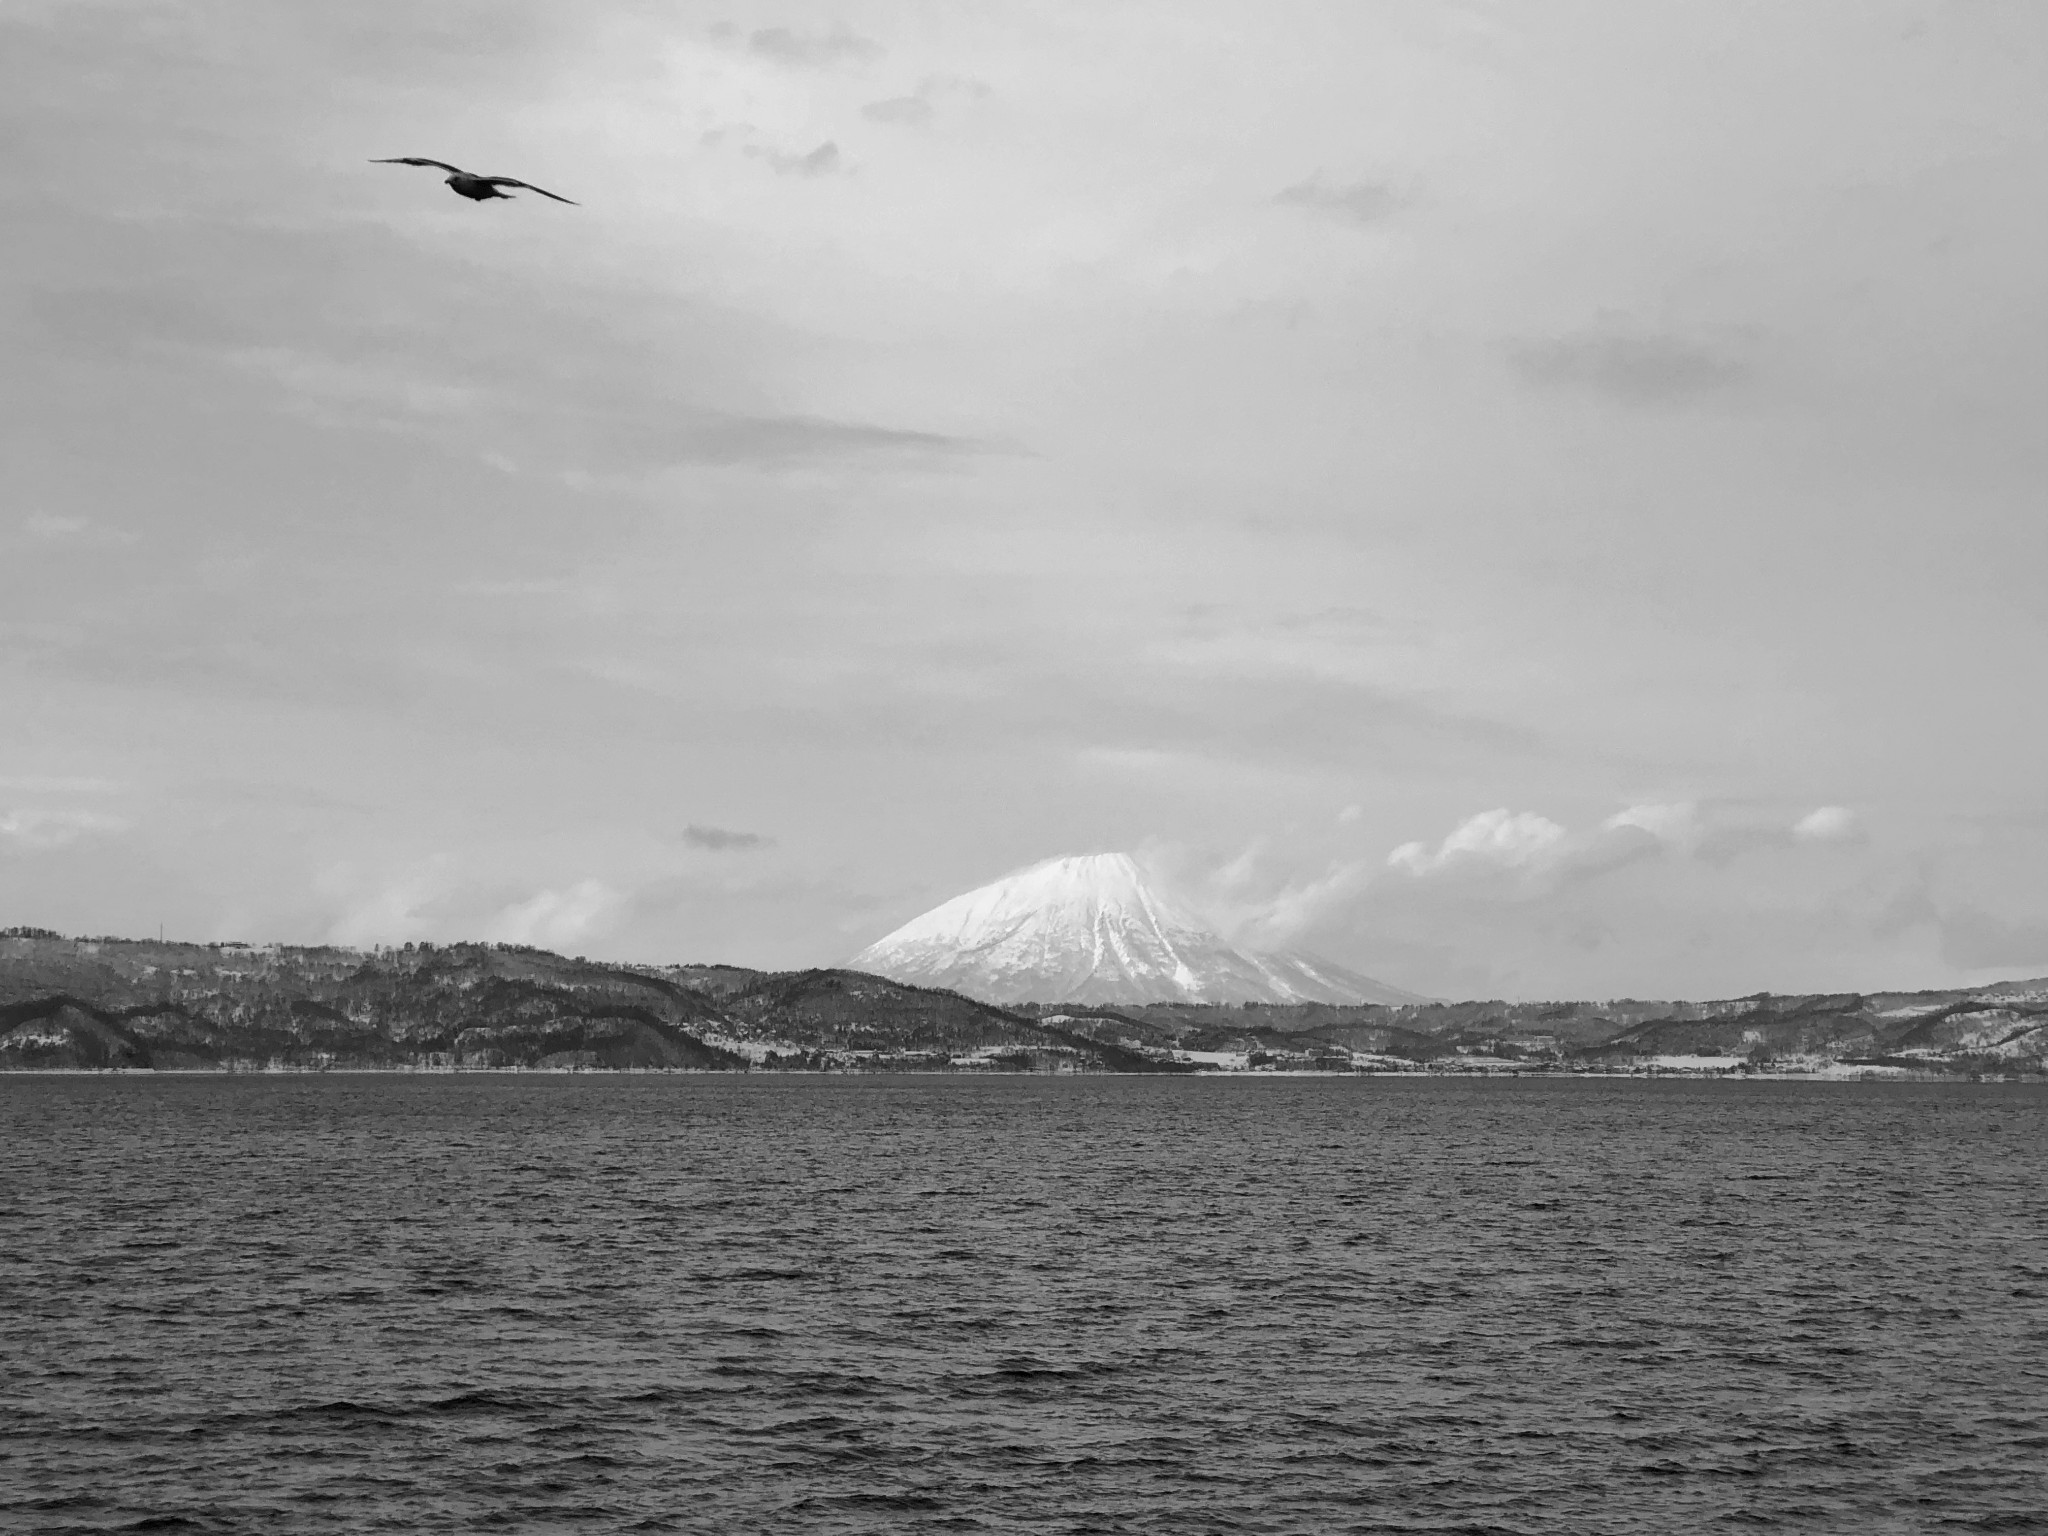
{"points": [[749, 1304]]}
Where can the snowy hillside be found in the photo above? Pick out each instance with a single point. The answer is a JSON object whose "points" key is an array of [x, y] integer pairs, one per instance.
{"points": [[1089, 929]]}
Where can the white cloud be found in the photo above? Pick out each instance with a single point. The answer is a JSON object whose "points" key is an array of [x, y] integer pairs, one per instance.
{"points": [[1298, 908], [1676, 823], [1349, 814], [440, 898], [1502, 838], [1247, 902], [393, 912], [555, 919], [1826, 824], [53, 829]]}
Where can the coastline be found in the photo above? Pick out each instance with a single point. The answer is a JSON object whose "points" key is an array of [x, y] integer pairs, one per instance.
{"points": [[1857, 1074]]}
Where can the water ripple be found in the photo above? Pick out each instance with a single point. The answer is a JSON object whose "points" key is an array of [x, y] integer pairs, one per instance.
{"points": [[331, 1304]]}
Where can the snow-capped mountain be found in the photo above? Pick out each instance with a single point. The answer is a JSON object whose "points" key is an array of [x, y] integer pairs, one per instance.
{"points": [[1089, 929]]}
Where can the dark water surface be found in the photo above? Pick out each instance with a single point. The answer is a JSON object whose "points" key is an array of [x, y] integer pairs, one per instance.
{"points": [[300, 1304]]}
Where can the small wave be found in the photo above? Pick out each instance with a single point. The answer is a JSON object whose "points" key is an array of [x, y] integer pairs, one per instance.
{"points": [[890, 1503], [1026, 1366], [464, 1404], [340, 1408]]}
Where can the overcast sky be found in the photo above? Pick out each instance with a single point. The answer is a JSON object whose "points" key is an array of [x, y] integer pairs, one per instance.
{"points": [[1522, 499]]}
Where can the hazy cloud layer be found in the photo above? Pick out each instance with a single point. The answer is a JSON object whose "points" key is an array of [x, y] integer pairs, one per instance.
{"points": [[36, 828], [813, 49], [1977, 940], [38, 784], [1633, 366], [907, 111], [824, 160], [1361, 202], [51, 528], [719, 840]]}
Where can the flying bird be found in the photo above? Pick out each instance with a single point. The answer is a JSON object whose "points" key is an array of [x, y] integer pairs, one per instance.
{"points": [[478, 188]]}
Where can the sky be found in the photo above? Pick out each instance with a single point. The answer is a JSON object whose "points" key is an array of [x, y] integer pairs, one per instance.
{"points": [[1523, 500]]}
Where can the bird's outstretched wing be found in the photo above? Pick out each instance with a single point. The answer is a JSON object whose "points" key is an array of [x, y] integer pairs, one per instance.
{"points": [[442, 165], [513, 181]]}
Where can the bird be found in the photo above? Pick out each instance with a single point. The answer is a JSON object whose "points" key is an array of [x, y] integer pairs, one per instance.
{"points": [[478, 188]]}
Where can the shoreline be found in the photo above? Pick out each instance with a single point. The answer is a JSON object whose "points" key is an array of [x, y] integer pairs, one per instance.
{"points": [[1849, 1075]]}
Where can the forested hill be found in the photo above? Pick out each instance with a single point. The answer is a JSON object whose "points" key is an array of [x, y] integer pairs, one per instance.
{"points": [[97, 1003], [132, 1003]]}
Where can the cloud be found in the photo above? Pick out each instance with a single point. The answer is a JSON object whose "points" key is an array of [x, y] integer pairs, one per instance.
{"points": [[438, 897], [1246, 901], [1967, 936], [822, 161], [1362, 202], [1622, 363], [1544, 853], [905, 111], [1826, 824], [53, 829], [783, 439], [813, 50], [392, 395], [916, 109], [268, 795], [1349, 814], [34, 784], [1499, 838], [49, 528], [555, 919], [1715, 836], [719, 840], [618, 431], [395, 910], [1676, 824], [1977, 940], [1298, 907]]}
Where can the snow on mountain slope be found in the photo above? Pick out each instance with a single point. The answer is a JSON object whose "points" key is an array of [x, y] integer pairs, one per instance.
{"points": [[1089, 929]]}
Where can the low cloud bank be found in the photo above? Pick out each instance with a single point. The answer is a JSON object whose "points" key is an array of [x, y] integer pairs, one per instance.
{"points": [[1662, 898]]}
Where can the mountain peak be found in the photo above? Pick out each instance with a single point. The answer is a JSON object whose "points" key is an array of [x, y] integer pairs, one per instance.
{"points": [[1091, 928]]}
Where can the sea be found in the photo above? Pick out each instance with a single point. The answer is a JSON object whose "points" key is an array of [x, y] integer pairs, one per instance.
{"points": [[759, 1303]]}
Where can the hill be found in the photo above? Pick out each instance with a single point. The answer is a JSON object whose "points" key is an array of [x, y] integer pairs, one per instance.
{"points": [[83, 1004], [1998, 1030], [100, 1003]]}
